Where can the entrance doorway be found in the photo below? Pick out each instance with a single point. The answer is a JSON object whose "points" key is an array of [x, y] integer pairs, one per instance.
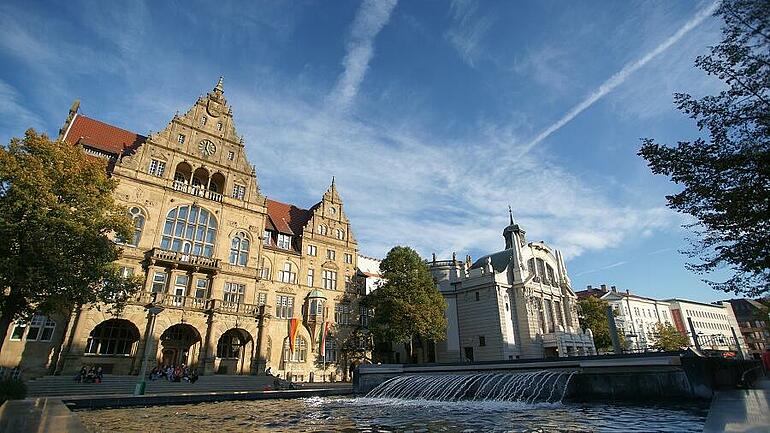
{"points": [[180, 344]]}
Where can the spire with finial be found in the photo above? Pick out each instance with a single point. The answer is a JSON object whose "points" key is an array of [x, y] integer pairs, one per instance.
{"points": [[510, 213], [332, 180], [219, 86]]}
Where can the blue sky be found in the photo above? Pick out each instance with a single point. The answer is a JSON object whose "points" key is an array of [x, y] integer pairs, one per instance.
{"points": [[432, 115]]}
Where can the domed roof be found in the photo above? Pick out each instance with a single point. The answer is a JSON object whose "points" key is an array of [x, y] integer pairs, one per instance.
{"points": [[316, 294], [500, 260]]}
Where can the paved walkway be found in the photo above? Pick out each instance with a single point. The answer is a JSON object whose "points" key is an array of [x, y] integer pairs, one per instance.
{"points": [[741, 410]]}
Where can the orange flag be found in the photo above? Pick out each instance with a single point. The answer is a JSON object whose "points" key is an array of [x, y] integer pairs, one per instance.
{"points": [[293, 328]]}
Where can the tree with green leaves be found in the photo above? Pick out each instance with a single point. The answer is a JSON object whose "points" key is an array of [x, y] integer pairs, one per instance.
{"points": [[407, 304], [668, 338], [725, 176], [57, 214], [593, 316]]}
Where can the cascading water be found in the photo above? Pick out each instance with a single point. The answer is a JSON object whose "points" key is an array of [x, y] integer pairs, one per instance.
{"points": [[537, 386]]}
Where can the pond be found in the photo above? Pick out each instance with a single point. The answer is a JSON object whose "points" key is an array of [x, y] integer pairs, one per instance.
{"points": [[335, 414]]}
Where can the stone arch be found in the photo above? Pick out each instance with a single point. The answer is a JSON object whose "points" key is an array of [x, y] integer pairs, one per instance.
{"points": [[112, 344], [200, 178], [234, 352], [179, 344], [217, 183], [183, 172]]}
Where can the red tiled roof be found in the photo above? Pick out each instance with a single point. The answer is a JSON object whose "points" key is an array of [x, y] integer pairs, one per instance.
{"points": [[102, 136], [287, 218]]}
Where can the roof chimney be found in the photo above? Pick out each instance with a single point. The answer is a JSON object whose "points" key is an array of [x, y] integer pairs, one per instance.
{"points": [[589, 287], [604, 287], [614, 289]]}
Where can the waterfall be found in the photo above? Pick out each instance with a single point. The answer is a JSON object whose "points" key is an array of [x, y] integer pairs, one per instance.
{"points": [[530, 387]]}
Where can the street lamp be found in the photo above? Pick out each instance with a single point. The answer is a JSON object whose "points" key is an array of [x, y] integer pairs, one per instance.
{"points": [[141, 384]]}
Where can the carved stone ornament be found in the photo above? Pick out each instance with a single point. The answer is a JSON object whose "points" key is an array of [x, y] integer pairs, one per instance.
{"points": [[214, 108]]}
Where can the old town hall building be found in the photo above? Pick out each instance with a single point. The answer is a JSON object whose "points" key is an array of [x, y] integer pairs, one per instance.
{"points": [[229, 267]]}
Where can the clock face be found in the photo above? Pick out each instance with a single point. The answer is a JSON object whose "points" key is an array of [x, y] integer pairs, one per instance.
{"points": [[207, 147]]}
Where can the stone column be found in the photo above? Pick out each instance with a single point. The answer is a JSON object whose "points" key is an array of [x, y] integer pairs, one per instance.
{"points": [[207, 354]]}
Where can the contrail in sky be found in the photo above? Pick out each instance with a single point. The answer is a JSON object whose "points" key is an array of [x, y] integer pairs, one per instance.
{"points": [[620, 76]]}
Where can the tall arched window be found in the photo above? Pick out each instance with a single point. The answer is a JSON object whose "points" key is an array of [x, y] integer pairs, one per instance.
{"points": [[322, 230], [340, 234], [138, 217], [239, 249], [112, 337], [300, 350], [191, 230]]}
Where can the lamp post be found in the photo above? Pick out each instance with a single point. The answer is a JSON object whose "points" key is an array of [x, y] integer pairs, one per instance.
{"points": [[141, 384]]}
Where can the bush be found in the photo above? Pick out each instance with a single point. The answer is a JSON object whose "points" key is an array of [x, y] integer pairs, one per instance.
{"points": [[12, 389]]}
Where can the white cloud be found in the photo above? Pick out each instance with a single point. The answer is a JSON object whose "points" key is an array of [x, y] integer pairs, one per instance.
{"points": [[371, 17], [619, 77], [468, 31], [14, 113]]}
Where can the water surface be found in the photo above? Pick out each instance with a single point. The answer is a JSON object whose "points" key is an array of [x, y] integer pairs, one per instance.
{"points": [[332, 414]]}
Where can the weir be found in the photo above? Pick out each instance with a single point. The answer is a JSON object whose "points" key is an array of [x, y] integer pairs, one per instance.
{"points": [[529, 387]]}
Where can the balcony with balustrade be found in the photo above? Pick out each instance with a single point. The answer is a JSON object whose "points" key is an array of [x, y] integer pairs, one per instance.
{"points": [[206, 305], [181, 259]]}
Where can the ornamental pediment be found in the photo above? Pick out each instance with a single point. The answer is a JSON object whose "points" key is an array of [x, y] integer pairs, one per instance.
{"points": [[330, 265], [286, 289]]}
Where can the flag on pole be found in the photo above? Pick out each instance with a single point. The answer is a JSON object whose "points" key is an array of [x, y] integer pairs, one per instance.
{"points": [[293, 328], [324, 330]]}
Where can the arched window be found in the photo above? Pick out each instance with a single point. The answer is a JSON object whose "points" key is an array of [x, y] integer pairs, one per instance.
{"points": [[190, 230], [230, 345], [322, 230], [239, 249], [138, 217], [340, 234], [300, 350], [112, 337]]}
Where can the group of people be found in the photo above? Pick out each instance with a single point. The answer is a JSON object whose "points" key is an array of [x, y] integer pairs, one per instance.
{"points": [[174, 373], [89, 375]]}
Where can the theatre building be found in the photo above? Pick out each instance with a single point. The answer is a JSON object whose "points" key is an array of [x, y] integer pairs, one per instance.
{"points": [[230, 269]]}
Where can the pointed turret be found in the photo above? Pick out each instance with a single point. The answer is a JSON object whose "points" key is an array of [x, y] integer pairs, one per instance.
{"points": [[513, 234]]}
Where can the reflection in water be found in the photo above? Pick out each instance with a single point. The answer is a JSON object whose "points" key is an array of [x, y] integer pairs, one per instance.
{"points": [[391, 415]]}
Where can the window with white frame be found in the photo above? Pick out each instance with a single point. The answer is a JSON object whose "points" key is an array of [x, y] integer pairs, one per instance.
{"points": [[284, 307], [40, 328], [239, 191], [310, 277], [159, 282], [156, 168], [340, 234], [265, 269], [312, 250], [287, 274], [331, 254], [266, 238], [284, 241], [363, 316], [331, 351], [180, 138], [239, 249], [180, 288], [233, 292], [126, 272], [261, 298], [300, 350], [330, 280], [201, 288], [348, 258], [138, 218], [342, 314], [230, 155], [190, 229], [316, 307], [322, 230]]}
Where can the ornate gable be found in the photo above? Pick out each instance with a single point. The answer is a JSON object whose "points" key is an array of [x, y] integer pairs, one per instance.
{"points": [[330, 213]]}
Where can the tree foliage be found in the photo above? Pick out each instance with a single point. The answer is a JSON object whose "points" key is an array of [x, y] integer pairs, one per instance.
{"points": [[668, 338], [56, 215], [407, 304], [594, 317], [726, 176]]}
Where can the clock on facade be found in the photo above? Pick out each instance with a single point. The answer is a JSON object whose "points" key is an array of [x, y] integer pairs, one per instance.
{"points": [[207, 147]]}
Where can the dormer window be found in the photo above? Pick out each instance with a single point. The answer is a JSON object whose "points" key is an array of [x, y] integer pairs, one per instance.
{"points": [[284, 241], [266, 238]]}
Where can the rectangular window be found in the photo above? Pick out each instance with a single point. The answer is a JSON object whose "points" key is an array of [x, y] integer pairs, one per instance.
{"points": [[284, 307], [159, 282], [126, 272], [266, 238], [330, 280], [157, 168], [310, 277], [287, 274], [284, 241], [363, 316], [201, 288], [234, 293], [18, 331], [331, 351], [342, 314], [312, 250], [180, 138], [230, 155], [261, 298], [330, 254], [265, 270], [40, 328], [482, 341], [219, 126], [180, 288], [203, 120], [348, 258], [239, 191]]}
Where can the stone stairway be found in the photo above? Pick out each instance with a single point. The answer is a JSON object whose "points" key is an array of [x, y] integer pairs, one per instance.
{"points": [[117, 384]]}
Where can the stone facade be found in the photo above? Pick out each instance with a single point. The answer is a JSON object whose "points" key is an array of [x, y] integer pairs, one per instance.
{"points": [[229, 267], [514, 304]]}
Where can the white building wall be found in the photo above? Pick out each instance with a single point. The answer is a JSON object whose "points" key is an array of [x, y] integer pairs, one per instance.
{"points": [[711, 321]]}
